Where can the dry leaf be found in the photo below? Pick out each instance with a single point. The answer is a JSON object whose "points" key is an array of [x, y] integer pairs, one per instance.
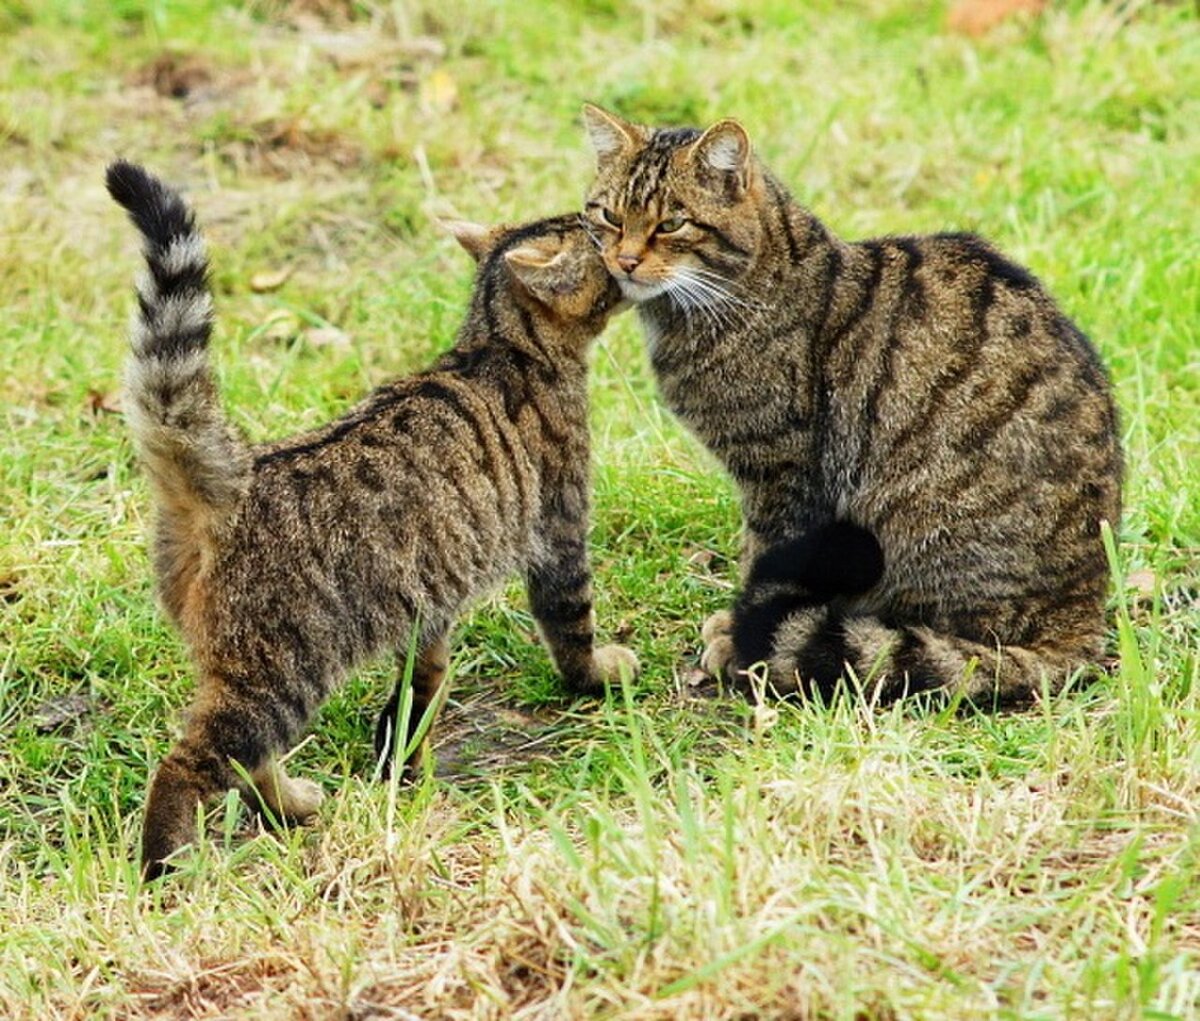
{"points": [[1141, 581], [439, 91], [10, 587], [58, 712], [269, 280], [281, 325], [104, 403], [978, 17], [327, 336]]}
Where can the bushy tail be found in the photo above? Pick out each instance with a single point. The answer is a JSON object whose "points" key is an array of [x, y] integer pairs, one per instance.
{"points": [[813, 647], [791, 617], [197, 464], [839, 558]]}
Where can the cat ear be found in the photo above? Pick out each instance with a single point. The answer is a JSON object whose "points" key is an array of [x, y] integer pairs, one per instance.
{"points": [[724, 149], [609, 134], [543, 272], [474, 237]]}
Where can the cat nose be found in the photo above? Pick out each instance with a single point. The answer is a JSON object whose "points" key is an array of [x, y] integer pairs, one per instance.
{"points": [[629, 262]]}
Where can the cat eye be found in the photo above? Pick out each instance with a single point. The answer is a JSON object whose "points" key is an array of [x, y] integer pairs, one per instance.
{"points": [[610, 218], [672, 224]]}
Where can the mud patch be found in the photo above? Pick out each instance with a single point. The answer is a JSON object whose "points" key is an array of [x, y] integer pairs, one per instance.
{"points": [[175, 75]]}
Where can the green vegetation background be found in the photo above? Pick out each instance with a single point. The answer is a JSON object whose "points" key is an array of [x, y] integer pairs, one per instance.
{"points": [[661, 854]]}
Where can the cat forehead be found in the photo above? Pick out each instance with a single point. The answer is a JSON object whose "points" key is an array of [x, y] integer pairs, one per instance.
{"points": [[555, 232], [643, 175]]}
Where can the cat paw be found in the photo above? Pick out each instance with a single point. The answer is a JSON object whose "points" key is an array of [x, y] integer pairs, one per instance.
{"points": [[717, 635], [301, 799], [287, 798], [612, 662], [720, 623], [717, 658]]}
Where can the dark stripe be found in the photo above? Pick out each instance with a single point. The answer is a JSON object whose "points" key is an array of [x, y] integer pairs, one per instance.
{"points": [[514, 459], [997, 266], [980, 432], [833, 270], [783, 208], [911, 670], [822, 660], [726, 243], [572, 640], [562, 609], [866, 299], [192, 278], [717, 263]]}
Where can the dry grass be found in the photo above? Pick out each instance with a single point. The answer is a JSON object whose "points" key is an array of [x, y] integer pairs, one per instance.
{"points": [[660, 854]]}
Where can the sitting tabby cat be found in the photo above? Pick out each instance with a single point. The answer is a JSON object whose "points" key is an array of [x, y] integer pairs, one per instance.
{"points": [[924, 392], [287, 563]]}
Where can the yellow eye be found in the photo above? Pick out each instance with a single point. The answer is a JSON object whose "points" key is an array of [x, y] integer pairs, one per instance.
{"points": [[671, 225], [611, 218]]}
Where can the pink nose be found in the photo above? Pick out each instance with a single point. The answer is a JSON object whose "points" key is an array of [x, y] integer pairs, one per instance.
{"points": [[628, 262]]}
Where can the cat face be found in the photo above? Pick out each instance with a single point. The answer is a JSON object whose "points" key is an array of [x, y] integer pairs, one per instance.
{"points": [[674, 209], [555, 264]]}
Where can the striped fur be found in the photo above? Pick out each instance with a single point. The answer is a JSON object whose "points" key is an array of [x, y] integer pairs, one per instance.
{"points": [[287, 564], [925, 389]]}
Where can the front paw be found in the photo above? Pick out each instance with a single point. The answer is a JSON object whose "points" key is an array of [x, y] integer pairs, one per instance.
{"points": [[720, 623], [717, 658], [717, 634], [611, 663]]}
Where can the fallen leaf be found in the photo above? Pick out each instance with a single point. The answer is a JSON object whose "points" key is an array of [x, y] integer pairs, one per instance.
{"points": [[10, 587], [439, 91], [327, 336], [280, 325], [978, 17], [56, 713], [104, 403], [269, 280], [1141, 581]]}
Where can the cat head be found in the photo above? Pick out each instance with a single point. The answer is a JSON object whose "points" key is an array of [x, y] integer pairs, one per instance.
{"points": [[675, 209], [552, 267]]}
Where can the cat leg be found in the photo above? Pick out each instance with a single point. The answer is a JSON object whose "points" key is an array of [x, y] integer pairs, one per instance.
{"points": [[716, 634], [428, 678], [813, 648], [223, 727], [560, 595]]}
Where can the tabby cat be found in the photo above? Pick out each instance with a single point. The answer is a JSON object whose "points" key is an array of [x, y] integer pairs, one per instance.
{"points": [[288, 563], [925, 444]]}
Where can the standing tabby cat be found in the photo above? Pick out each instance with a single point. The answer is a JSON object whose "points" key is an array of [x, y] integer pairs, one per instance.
{"points": [[287, 563], [924, 443]]}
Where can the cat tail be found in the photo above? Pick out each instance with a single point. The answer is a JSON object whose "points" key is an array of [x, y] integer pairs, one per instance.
{"points": [[197, 464], [838, 558], [816, 648]]}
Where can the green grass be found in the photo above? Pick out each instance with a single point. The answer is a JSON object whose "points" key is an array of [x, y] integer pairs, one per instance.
{"points": [[657, 854]]}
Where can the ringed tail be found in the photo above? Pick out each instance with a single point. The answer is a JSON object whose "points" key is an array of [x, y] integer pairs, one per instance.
{"points": [[198, 466]]}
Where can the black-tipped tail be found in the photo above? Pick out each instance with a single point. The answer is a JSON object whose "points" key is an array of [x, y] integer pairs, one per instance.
{"points": [[158, 212], [835, 559], [196, 461]]}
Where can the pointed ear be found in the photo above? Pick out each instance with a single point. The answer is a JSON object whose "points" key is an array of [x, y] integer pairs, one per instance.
{"points": [[543, 272], [474, 237], [609, 134], [724, 149]]}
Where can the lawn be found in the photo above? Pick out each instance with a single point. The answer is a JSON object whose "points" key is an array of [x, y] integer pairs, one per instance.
{"points": [[663, 853]]}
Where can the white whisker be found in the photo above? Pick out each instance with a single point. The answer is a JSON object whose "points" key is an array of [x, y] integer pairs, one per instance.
{"points": [[704, 296]]}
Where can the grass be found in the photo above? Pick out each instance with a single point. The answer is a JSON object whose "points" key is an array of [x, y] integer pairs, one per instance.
{"points": [[659, 854]]}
